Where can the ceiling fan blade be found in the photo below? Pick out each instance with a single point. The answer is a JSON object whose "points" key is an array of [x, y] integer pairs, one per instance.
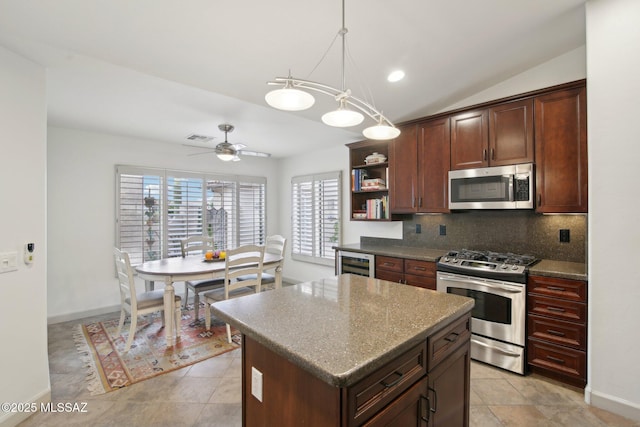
{"points": [[253, 153], [239, 146], [200, 153]]}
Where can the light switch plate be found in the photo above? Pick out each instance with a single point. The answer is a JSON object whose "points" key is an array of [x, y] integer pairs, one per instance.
{"points": [[8, 261], [256, 383]]}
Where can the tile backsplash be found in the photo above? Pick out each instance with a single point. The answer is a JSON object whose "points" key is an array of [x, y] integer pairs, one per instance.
{"points": [[522, 232]]}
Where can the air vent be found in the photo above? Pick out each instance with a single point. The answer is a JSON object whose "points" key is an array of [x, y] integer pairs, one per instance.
{"points": [[200, 138]]}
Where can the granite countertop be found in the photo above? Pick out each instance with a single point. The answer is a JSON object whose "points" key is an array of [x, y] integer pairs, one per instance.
{"points": [[342, 328], [545, 267]]}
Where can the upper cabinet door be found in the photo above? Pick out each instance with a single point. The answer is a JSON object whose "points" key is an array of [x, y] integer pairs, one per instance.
{"points": [[403, 171], [470, 140], [434, 156], [511, 133], [561, 151]]}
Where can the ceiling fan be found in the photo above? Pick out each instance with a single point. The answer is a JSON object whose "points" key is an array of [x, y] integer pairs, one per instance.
{"points": [[231, 152]]}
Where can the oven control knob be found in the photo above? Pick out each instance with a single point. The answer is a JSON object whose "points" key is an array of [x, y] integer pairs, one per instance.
{"points": [[515, 267], [504, 266]]}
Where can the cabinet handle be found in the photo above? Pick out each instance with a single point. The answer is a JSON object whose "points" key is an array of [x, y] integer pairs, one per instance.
{"points": [[493, 154], [556, 359], [420, 268], [389, 264], [554, 332], [484, 154], [394, 382], [422, 411], [420, 201], [557, 309], [435, 399], [539, 199], [452, 339], [556, 288]]}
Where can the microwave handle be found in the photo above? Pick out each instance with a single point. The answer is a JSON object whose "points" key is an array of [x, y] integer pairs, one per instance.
{"points": [[512, 185]]}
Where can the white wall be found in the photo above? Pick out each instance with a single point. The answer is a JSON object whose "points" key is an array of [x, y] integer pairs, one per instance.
{"points": [[81, 201], [24, 371], [613, 89]]}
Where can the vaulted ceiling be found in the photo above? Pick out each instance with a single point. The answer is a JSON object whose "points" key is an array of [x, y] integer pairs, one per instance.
{"points": [[165, 69]]}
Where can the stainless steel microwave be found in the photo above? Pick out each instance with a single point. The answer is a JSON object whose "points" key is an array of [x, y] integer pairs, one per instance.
{"points": [[500, 187]]}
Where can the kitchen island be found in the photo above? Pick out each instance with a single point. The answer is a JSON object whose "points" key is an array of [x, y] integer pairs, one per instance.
{"points": [[351, 350]]}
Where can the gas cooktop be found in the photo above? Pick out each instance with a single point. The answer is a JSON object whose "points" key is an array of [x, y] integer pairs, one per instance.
{"points": [[503, 266]]}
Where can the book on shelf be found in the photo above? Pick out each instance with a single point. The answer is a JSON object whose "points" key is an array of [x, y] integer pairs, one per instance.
{"points": [[357, 176], [378, 208]]}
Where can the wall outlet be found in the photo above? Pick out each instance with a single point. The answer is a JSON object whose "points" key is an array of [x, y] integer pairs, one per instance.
{"points": [[256, 383], [565, 236], [443, 230], [8, 261]]}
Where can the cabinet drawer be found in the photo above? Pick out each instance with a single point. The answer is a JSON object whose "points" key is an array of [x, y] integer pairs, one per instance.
{"points": [[574, 290], [558, 309], [563, 360], [420, 281], [392, 276], [373, 393], [443, 343], [558, 332], [420, 268], [389, 264]]}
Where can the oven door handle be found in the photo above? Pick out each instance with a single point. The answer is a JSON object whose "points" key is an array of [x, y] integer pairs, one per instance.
{"points": [[508, 353], [487, 284]]}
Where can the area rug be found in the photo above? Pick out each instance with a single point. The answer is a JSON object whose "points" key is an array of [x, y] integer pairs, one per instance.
{"points": [[110, 368]]}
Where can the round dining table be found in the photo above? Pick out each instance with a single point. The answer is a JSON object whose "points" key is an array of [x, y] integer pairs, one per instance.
{"points": [[194, 267]]}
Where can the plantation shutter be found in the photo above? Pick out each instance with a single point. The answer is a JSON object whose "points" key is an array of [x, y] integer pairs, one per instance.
{"points": [[184, 211], [252, 213], [316, 217], [157, 208], [221, 213], [139, 212]]}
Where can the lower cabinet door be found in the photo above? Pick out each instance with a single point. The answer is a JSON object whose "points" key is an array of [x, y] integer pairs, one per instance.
{"points": [[449, 390], [409, 409]]}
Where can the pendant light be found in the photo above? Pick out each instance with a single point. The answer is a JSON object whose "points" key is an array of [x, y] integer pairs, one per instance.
{"points": [[293, 96]]}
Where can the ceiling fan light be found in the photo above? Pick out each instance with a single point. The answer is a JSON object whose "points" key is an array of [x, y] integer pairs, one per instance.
{"points": [[342, 117], [381, 132], [289, 99], [225, 157]]}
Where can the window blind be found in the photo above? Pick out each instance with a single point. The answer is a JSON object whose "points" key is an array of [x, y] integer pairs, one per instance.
{"points": [[157, 208], [315, 217]]}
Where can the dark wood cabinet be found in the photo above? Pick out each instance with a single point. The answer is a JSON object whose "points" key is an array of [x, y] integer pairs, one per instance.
{"points": [[497, 136], [419, 165], [403, 171], [407, 271], [470, 140], [434, 158], [511, 133], [561, 151], [557, 328]]}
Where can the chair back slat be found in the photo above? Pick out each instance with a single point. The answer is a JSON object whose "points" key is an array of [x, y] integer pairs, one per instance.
{"points": [[243, 261], [199, 244], [125, 277]]}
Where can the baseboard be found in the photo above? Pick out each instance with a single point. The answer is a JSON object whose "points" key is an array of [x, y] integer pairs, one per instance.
{"points": [[613, 404], [82, 314], [12, 419]]}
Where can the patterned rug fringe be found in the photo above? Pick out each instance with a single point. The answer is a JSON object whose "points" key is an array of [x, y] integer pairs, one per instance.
{"points": [[94, 383]]}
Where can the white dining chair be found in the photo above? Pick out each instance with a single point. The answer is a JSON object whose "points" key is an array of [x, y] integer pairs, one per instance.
{"points": [[198, 244], [137, 304], [275, 244], [242, 261]]}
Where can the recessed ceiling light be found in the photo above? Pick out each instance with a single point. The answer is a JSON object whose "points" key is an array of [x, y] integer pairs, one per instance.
{"points": [[396, 76]]}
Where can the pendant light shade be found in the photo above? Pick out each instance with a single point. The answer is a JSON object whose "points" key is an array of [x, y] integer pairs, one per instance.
{"points": [[381, 132], [342, 117], [289, 99]]}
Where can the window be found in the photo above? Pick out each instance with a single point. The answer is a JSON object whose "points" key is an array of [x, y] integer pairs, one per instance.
{"points": [[157, 208], [315, 217]]}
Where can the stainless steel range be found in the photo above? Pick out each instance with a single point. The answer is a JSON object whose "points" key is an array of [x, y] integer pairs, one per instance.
{"points": [[497, 283]]}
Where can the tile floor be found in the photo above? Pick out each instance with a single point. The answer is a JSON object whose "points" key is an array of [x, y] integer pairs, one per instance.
{"points": [[209, 394]]}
